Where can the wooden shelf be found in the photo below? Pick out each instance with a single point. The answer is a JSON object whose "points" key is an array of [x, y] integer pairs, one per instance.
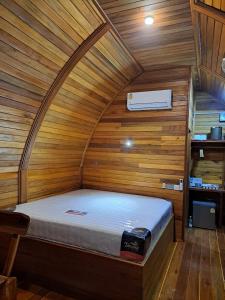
{"points": [[206, 190], [208, 144]]}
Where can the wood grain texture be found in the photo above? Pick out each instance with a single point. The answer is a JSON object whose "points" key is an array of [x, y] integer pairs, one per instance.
{"points": [[35, 43], [218, 4], [100, 276], [158, 141], [50, 95], [8, 288], [169, 42], [211, 25], [195, 270], [212, 167], [177, 282], [58, 150]]}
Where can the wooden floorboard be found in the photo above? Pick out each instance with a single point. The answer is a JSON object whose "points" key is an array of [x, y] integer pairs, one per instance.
{"points": [[194, 273], [221, 241]]}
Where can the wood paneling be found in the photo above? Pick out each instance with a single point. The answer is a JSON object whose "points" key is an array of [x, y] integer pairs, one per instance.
{"points": [[211, 43], [195, 270], [207, 113], [101, 276], [169, 42], [158, 140], [203, 252], [212, 167], [218, 4], [37, 39], [30, 58], [57, 154]]}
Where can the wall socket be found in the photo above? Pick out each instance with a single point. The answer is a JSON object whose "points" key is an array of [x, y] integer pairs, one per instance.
{"points": [[201, 153], [174, 187]]}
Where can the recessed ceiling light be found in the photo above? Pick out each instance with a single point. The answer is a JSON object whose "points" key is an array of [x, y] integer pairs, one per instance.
{"points": [[149, 20]]}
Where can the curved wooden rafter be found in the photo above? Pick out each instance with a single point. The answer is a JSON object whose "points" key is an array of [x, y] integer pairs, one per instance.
{"points": [[53, 90]]}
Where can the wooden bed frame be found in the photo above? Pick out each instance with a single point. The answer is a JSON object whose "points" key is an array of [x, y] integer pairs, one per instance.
{"points": [[88, 275]]}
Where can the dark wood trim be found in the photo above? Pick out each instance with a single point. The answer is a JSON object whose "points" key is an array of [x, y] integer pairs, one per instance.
{"points": [[186, 166], [208, 11], [99, 8], [208, 144], [206, 190], [22, 184], [56, 85]]}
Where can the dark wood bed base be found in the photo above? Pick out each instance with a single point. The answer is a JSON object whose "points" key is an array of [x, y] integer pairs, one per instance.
{"points": [[88, 275]]}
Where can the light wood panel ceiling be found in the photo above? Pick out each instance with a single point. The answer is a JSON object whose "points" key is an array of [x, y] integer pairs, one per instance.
{"points": [[168, 42], [209, 24], [218, 4]]}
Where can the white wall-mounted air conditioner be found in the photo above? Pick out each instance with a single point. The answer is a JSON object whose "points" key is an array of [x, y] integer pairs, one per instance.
{"points": [[151, 100]]}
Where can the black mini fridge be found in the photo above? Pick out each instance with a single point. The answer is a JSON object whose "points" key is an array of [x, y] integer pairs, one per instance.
{"points": [[204, 214]]}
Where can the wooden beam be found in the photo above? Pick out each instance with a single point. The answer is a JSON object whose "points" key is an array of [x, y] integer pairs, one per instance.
{"points": [[195, 24], [51, 93], [208, 11]]}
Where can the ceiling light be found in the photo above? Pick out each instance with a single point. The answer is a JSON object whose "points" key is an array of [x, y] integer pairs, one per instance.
{"points": [[149, 20]]}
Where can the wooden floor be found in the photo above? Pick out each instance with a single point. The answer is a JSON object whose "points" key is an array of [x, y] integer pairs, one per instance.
{"points": [[195, 271]]}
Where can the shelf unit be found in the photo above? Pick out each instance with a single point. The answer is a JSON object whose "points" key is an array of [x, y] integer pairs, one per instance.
{"points": [[216, 195]]}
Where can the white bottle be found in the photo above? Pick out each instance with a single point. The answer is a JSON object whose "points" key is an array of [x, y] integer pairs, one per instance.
{"points": [[190, 222]]}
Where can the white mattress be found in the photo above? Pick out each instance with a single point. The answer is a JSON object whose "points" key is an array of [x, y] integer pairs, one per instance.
{"points": [[101, 220]]}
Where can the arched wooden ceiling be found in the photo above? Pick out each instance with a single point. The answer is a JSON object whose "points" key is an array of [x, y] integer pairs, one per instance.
{"points": [[209, 28], [170, 42], [61, 64]]}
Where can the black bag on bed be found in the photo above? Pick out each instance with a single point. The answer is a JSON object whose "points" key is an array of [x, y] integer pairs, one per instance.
{"points": [[134, 244]]}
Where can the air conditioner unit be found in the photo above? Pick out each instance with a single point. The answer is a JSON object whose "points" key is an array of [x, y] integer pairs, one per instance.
{"points": [[151, 100]]}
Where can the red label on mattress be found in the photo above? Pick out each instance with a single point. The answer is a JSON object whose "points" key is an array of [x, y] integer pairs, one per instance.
{"points": [[131, 256], [76, 212]]}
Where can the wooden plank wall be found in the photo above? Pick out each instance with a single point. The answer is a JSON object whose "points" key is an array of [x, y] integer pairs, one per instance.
{"points": [[219, 4], [212, 49], [30, 58], [57, 154], [36, 41], [207, 113], [211, 168], [158, 139]]}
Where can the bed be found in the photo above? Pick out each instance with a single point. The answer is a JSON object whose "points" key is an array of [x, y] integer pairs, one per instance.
{"points": [[76, 242]]}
